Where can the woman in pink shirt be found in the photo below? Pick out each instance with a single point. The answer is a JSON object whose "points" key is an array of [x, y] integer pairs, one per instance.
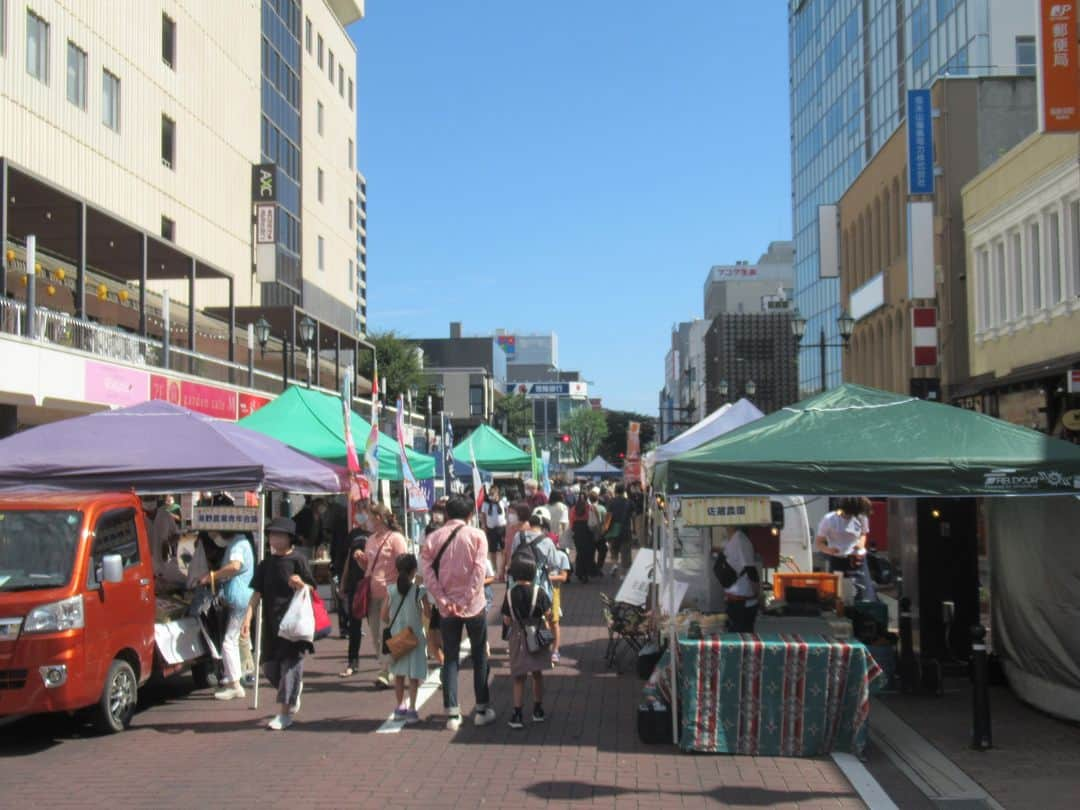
{"points": [[381, 551]]}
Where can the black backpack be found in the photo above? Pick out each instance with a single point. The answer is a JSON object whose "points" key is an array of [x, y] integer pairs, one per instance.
{"points": [[527, 550]]}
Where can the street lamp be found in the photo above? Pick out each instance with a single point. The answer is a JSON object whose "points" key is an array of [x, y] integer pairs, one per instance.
{"points": [[845, 324], [262, 333], [751, 388], [722, 389], [263, 330], [307, 338]]}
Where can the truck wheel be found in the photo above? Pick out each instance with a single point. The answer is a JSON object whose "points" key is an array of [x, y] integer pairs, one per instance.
{"points": [[200, 674], [118, 698]]}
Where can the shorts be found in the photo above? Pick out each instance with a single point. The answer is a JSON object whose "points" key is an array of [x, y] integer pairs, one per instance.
{"points": [[556, 604], [496, 538]]}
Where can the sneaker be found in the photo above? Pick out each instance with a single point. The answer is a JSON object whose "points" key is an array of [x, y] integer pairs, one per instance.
{"points": [[538, 713], [400, 713], [555, 657], [383, 681], [411, 717], [516, 720], [296, 706], [485, 717], [453, 722], [280, 722], [229, 692], [248, 680]]}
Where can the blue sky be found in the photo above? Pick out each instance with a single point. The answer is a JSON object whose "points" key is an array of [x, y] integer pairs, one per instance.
{"points": [[573, 167]]}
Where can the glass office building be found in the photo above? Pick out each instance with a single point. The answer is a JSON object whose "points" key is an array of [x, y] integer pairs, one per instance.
{"points": [[280, 139], [851, 63]]}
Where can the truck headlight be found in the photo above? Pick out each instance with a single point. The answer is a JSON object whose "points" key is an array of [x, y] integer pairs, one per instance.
{"points": [[55, 617], [53, 675]]}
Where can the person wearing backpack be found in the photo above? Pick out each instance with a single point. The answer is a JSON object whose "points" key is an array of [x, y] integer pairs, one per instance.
{"points": [[535, 545], [527, 613], [736, 568], [454, 563]]}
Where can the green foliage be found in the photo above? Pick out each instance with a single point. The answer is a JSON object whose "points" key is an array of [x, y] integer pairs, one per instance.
{"points": [[617, 426], [587, 429], [399, 363], [514, 417]]}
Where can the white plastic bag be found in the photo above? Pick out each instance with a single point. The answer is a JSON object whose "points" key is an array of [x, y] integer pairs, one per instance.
{"points": [[299, 621]]}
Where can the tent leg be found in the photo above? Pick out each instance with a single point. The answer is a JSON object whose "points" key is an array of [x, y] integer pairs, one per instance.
{"points": [[673, 641], [260, 542]]}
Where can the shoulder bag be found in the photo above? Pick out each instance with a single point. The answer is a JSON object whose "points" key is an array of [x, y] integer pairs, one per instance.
{"points": [[404, 641], [442, 550], [537, 636], [361, 600]]}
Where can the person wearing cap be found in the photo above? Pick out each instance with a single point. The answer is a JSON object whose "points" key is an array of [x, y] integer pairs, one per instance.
{"points": [[233, 579], [276, 580], [536, 524]]}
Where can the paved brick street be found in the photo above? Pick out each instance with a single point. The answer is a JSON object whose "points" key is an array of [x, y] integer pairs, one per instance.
{"points": [[187, 750]]}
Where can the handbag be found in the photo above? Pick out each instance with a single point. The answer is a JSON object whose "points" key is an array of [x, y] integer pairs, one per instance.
{"points": [[404, 641], [322, 616], [298, 623], [361, 599]]}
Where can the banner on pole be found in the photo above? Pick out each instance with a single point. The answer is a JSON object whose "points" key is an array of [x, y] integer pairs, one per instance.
{"points": [[632, 467]]}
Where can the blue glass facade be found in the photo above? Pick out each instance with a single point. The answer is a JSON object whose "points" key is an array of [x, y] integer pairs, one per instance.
{"points": [[852, 62], [280, 137]]}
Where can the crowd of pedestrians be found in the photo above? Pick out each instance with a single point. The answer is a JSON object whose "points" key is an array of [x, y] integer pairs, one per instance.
{"points": [[419, 608]]}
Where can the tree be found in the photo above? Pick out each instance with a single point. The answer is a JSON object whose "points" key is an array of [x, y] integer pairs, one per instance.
{"points": [[514, 416], [587, 429], [399, 363], [617, 426]]}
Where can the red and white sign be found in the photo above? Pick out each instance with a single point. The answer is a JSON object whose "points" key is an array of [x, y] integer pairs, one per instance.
{"points": [[249, 403], [1060, 61], [114, 385], [208, 399], [924, 337], [1074, 381]]}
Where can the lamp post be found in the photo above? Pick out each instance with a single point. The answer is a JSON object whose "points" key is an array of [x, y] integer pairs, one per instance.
{"points": [[262, 336], [845, 324], [307, 337], [751, 388], [440, 391]]}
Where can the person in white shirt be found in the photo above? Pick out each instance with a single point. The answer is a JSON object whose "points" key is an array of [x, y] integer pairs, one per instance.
{"points": [[493, 513], [741, 597], [560, 514], [841, 536]]}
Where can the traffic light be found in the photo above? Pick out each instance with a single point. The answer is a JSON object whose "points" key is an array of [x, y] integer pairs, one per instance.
{"points": [[565, 438]]}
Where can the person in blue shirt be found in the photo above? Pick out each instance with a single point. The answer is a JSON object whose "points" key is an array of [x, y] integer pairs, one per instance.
{"points": [[233, 579]]}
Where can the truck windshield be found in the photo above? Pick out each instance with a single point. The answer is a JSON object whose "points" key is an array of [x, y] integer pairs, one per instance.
{"points": [[37, 548]]}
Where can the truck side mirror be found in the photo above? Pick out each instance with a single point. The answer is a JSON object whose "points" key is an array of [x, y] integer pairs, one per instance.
{"points": [[112, 568]]}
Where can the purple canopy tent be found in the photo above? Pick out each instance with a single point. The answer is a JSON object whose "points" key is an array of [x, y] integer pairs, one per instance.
{"points": [[157, 447]]}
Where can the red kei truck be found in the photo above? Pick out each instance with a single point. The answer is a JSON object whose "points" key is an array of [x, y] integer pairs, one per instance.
{"points": [[78, 607]]}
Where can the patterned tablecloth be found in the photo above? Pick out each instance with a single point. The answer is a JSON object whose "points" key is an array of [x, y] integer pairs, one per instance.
{"points": [[771, 694]]}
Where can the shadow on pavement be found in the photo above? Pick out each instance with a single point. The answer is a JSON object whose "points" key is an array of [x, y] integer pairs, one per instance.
{"points": [[740, 796]]}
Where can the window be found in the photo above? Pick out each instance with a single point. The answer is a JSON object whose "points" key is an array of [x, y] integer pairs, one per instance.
{"points": [[341, 80], [110, 100], [1025, 56], [3, 27], [76, 75], [982, 289], [319, 117], [1036, 267], [37, 47], [352, 151], [1000, 288], [319, 50], [1053, 256], [168, 229], [168, 41], [307, 34], [322, 253], [319, 184], [331, 61], [352, 215], [115, 533], [1074, 228], [351, 279], [350, 94], [168, 141], [476, 400], [1017, 258]]}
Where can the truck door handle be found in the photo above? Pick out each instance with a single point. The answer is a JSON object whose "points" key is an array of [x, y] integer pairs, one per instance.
{"points": [[144, 582]]}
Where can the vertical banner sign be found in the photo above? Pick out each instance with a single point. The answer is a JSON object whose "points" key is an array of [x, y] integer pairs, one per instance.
{"points": [[829, 241], [920, 132], [1058, 54], [632, 467], [924, 337], [264, 198]]}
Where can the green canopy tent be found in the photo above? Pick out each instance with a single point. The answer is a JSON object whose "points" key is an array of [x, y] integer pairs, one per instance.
{"points": [[855, 440], [311, 421], [493, 452]]}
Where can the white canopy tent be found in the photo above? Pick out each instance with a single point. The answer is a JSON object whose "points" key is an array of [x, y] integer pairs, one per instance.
{"points": [[598, 468], [724, 419]]}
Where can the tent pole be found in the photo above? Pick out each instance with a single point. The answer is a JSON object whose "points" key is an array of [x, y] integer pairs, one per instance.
{"points": [[260, 542], [673, 641]]}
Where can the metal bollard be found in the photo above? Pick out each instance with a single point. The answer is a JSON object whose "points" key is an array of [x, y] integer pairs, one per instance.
{"points": [[909, 676], [981, 738]]}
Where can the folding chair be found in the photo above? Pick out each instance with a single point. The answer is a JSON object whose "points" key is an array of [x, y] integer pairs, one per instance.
{"points": [[626, 624]]}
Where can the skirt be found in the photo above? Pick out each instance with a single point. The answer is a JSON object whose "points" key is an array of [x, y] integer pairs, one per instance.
{"points": [[523, 662]]}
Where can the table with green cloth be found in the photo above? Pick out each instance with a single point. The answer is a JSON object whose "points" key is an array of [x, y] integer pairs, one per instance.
{"points": [[775, 694]]}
